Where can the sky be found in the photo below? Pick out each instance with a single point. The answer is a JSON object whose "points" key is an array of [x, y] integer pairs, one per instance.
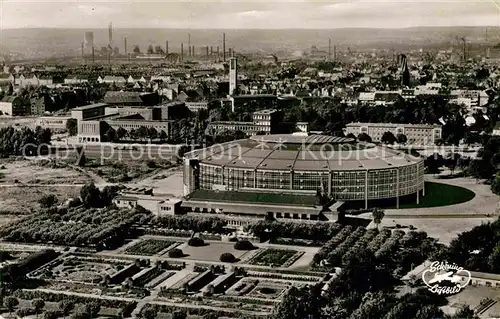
{"points": [[250, 14]]}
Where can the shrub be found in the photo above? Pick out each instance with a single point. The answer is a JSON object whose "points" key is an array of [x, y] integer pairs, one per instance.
{"points": [[243, 245], [196, 242], [175, 253], [227, 258]]}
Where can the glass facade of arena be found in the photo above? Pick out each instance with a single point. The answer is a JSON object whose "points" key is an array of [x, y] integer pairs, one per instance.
{"points": [[342, 185], [310, 181], [348, 185], [210, 176], [235, 178], [273, 179]]}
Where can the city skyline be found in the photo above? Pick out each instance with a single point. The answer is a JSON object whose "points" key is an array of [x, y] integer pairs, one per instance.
{"points": [[256, 14]]}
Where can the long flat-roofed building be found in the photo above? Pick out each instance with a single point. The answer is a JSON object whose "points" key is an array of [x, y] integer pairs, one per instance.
{"points": [[419, 134]]}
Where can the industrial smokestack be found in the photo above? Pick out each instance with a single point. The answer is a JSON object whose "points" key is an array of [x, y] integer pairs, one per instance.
{"points": [[329, 48], [125, 44], [207, 52], [166, 47], [218, 53], [193, 51], [182, 51], [224, 47], [189, 44]]}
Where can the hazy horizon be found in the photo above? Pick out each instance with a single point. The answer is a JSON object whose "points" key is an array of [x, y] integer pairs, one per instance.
{"points": [[249, 14], [260, 29]]}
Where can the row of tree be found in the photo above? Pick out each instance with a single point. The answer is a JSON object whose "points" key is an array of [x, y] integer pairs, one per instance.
{"points": [[23, 141]]}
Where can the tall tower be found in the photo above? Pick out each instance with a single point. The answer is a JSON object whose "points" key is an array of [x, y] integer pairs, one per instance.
{"points": [[224, 47], [110, 34], [233, 76], [405, 72], [89, 41]]}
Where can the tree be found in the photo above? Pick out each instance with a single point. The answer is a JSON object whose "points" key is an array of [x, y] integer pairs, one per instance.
{"points": [[48, 201], [227, 258], [175, 253], [149, 313], [152, 133], [93, 309], [363, 137], [452, 161], [465, 312], [91, 196], [136, 49], [72, 127], [10, 303], [82, 160], [65, 306], [179, 314], [378, 215], [50, 314], [401, 139], [142, 132], [433, 163], [196, 242], [163, 136], [388, 138], [10, 89], [82, 311], [121, 133], [38, 304], [243, 245], [495, 185], [110, 135]]}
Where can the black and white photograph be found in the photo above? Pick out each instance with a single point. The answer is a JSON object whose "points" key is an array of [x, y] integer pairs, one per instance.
{"points": [[220, 159]]}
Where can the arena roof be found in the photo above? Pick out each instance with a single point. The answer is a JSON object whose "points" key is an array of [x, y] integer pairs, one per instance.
{"points": [[315, 153]]}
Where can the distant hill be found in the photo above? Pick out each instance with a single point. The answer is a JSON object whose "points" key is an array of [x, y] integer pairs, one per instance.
{"points": [[61, 42]]}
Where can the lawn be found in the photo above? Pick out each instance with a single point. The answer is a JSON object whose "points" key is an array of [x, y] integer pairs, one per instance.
{"points": [[148, 247], [246, 197], [269, 257], [211, 252], [436, 195]]}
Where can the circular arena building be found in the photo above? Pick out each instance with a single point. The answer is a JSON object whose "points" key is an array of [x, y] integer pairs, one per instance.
{"points": [[341, 168]]}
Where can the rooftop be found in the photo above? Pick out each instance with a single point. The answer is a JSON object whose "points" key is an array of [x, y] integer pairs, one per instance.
{"points": [[314, 153], [394, 124], [90, 106], [253, 197]]}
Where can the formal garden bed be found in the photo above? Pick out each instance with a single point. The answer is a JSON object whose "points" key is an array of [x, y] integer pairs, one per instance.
{"points": [[272, 257], [149, 247]]}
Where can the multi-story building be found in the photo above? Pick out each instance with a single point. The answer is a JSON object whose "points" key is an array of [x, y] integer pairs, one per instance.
{"points": [[264, 122], [54, 123], [89, 111], [148, 113], [12, 105], [419, 134], [197, 106]]}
